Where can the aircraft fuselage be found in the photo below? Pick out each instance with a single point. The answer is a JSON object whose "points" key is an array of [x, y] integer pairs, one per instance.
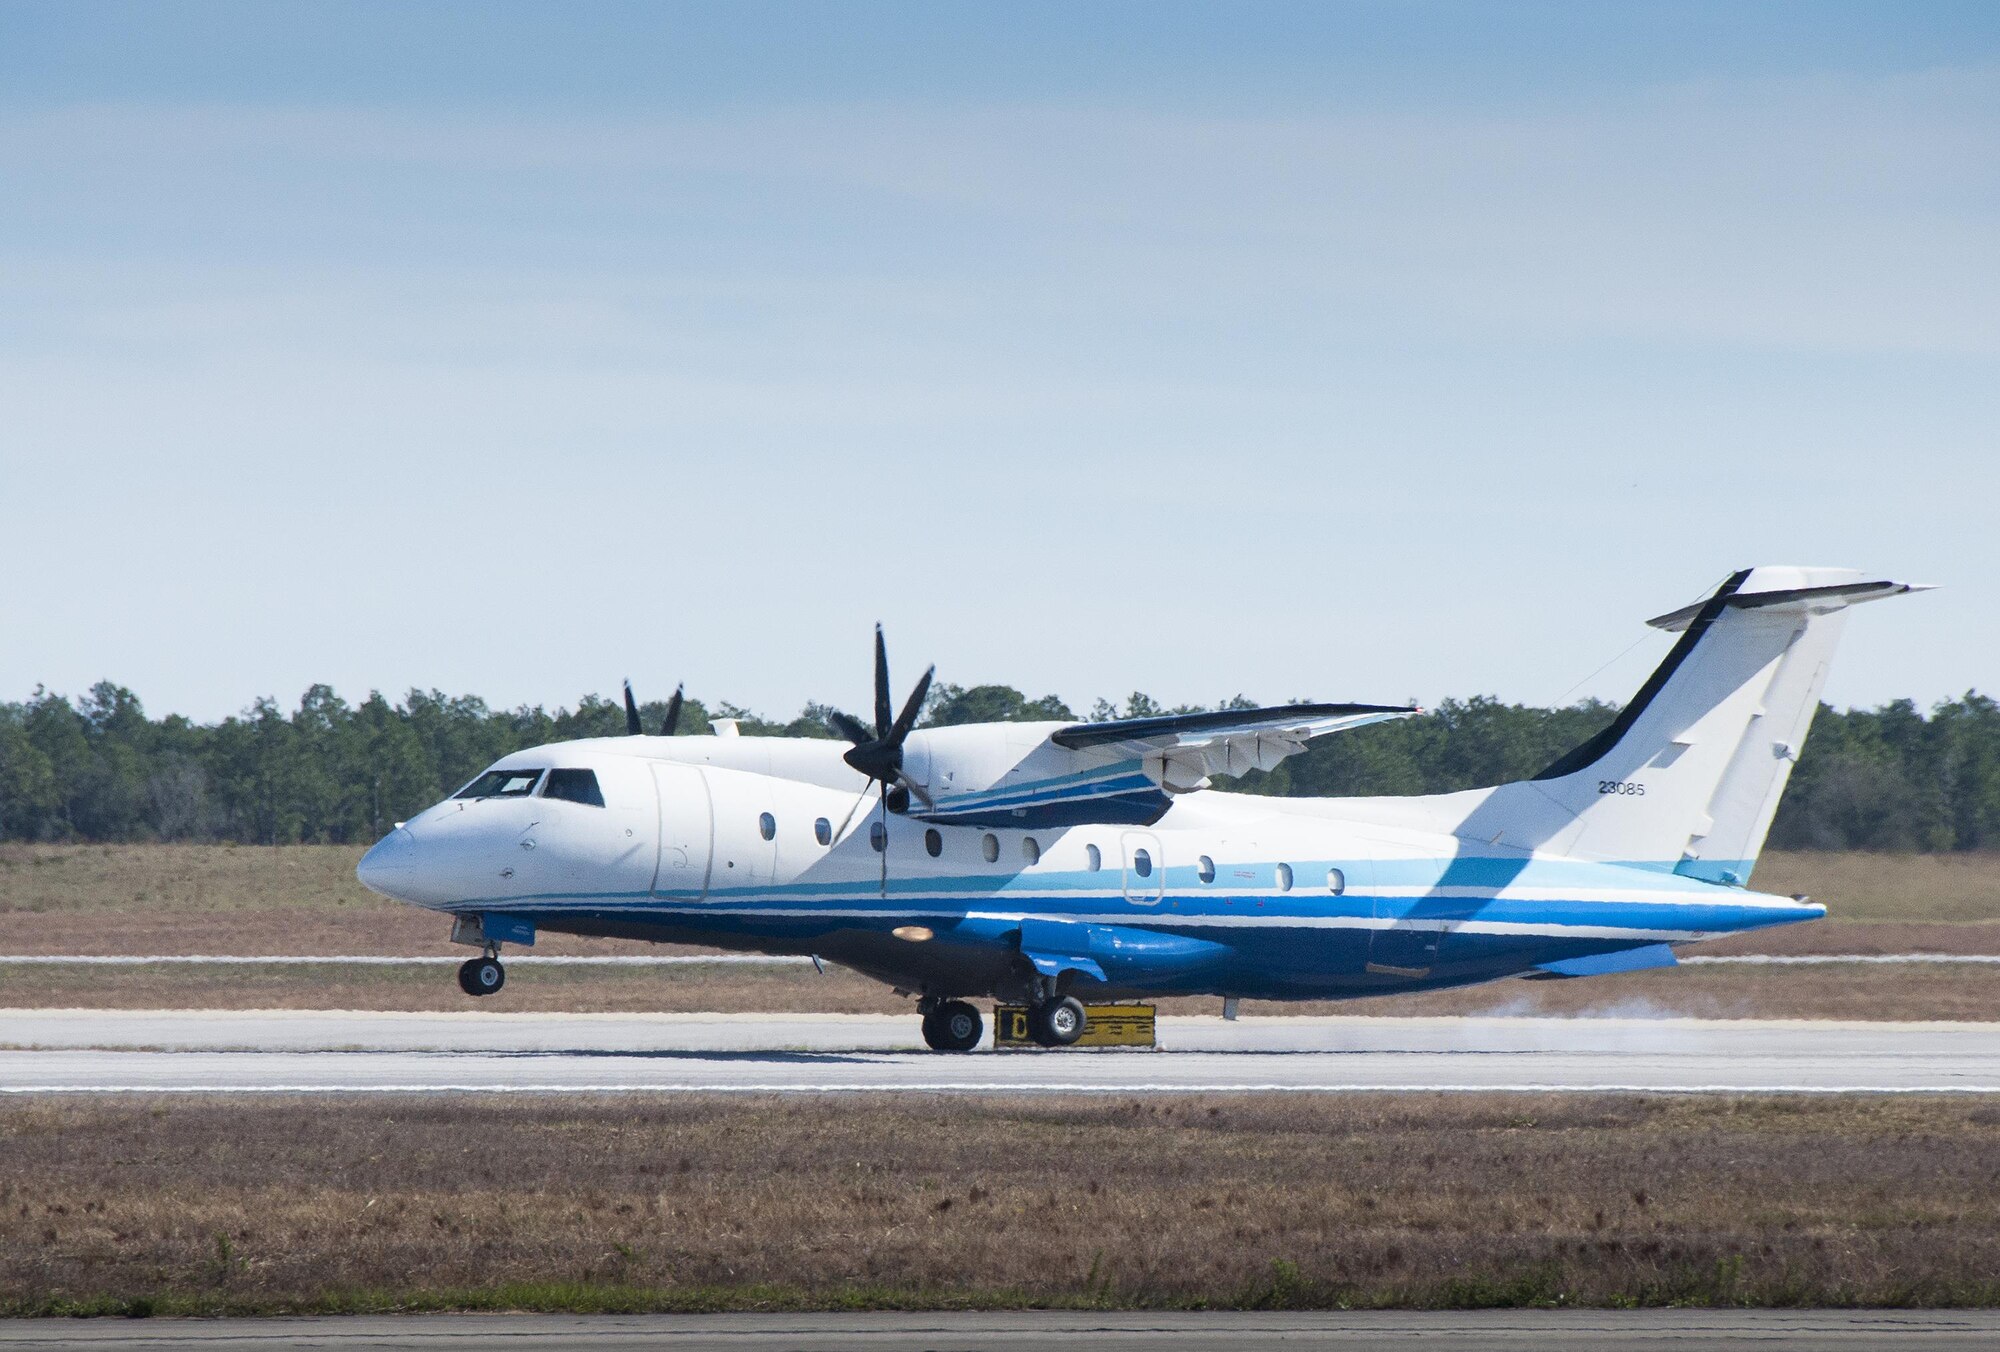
{"points": [[1223, 895]]}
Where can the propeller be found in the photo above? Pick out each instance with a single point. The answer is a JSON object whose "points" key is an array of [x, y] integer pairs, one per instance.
{"points": [[668, 725], [878, 752]]}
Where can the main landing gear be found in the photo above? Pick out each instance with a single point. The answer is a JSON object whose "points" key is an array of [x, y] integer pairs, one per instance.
{"points": [[953, 1026], [1056, 1023], [481, 976]]}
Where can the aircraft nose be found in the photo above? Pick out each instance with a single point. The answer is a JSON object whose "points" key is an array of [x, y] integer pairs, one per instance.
{"points": [[388, 862]]}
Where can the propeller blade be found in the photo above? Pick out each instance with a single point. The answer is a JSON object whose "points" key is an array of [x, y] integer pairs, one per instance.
{"points": [[632, 728], [881, 685], [850, 728], [880, 756], [911, 708], [906, 782], [841, 834], [885, 840], [673, 718]]}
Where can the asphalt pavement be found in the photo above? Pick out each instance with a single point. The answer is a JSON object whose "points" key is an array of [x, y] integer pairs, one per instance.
{"points": [[265, 1051]]}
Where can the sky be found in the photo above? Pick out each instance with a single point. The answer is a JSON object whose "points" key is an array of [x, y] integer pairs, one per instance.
{"points": [[1339, 351]]}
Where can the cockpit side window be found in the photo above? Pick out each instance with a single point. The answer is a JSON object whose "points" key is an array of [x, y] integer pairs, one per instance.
{"points": [[501, 784], [576, 786]]}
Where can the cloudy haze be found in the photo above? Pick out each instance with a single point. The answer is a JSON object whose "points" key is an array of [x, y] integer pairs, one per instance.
{"points": [[1348, 352]]}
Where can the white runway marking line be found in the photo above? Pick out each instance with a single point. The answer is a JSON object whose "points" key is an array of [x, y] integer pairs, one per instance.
{"points": [[777, 960], [1827, 959], [983, 1087], [364, 960]]}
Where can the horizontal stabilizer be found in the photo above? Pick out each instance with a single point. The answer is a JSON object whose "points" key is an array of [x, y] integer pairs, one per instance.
{"points": [[1818, 600]]}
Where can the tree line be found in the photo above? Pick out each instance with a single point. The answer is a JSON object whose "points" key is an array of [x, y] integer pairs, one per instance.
{"points": [[98, 768]]}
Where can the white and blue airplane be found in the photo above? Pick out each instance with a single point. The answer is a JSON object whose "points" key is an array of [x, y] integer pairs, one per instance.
{"points": [[1044, 863]]}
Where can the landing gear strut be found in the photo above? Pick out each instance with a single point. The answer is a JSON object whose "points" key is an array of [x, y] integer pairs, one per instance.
{"points": [[481, 976], [953, 1026], [1056, 1023]]}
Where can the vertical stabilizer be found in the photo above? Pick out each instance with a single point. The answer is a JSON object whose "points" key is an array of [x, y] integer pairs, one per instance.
{"points": [[1690, 773]]}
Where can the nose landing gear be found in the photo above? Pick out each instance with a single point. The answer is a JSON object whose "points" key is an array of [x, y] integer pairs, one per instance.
{"points": [[481, 976], [953, 1026]]}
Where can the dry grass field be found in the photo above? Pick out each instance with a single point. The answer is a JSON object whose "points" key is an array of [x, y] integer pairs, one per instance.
{"points": [[177, 899], [182, 1206]]}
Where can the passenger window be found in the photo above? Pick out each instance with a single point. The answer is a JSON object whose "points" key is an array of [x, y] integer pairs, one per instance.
{"points": [[574, 786], [1205, 869], [1336, 881], [933, 843], [1284, 877], [823, 831], [1092, 859], [767, 826], [1142, 863], [878, 836], [1031, 849], [501, 784], [989, 845]]}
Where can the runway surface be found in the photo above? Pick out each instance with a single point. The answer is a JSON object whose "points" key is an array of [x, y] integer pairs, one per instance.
{"points": [[1526, 1330], [769, 960], [270, 1051]]}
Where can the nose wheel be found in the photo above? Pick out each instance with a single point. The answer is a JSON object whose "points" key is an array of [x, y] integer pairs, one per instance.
{"points": [[481, 976], [953, 1026]]}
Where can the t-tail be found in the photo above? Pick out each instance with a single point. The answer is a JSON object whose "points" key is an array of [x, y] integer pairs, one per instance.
{"points": [[1688, 776]]}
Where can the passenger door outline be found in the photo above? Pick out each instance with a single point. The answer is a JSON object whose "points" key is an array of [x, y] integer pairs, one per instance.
{"points": [[687, 832], [1148, 890]]}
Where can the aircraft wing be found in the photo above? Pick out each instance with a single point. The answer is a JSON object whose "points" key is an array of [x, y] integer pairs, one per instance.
{"points": [[1191, 747], [1123, 771]]}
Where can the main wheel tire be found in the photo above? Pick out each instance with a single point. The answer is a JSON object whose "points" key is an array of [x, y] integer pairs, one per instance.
{"points": [[953, 1026], [1058, 1023], [481, 976]]}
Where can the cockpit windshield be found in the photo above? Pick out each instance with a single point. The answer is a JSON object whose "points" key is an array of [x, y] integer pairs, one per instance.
{"points": [[501, 784], [578, 786]]}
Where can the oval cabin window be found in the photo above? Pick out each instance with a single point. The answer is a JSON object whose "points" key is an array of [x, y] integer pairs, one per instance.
{"points": [[1205, 869], [767, 826], [1284, 877], [989, 846], [1031, 849], [823, 831], [1336, 881], [1142, 863], [1092, 859], [878, 836], [933, 843]]}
